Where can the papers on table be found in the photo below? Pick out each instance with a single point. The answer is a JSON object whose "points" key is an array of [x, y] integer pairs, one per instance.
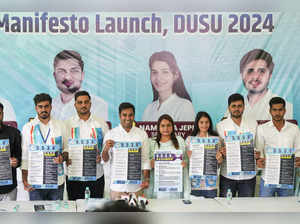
{"points": [[42, 171], [203, 162], [240, 157], [83, 153], [126, 162], [168, 171], [5, 167], [280, 167]]}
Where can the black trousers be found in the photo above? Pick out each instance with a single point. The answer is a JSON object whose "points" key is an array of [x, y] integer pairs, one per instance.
{"points": [[245, 188], [76, 189]]}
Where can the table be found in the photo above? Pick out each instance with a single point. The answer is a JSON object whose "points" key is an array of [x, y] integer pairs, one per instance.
{"points": [[260, 204], [198, 205], [272, 205], [29, 206]]}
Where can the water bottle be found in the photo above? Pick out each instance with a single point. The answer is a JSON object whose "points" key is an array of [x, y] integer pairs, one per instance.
{"points": [[87, 193], [229, 196]]}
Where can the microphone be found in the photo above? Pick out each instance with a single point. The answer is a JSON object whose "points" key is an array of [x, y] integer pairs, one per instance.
{"points": [[143, 202]]}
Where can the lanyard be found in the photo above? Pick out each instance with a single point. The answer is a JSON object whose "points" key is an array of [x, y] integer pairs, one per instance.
{"points": [[47, 136]]}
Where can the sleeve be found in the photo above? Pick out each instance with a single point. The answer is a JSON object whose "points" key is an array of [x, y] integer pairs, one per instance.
{"points": [[260, 141], [25, 145], [107, 137], [297, 143], [152, 143], [65, 137], [145, 153], [254, 138], [17, 149], [186, 179], [182, 146], [226, 114], [187, 143], [105, 128], [220, 130]]}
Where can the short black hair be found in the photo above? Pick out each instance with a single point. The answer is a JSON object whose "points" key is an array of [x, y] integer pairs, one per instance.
{"points": [[42, 97], [82, 93], [235, 97], [276, 100], [1, 106], [126, 105]]}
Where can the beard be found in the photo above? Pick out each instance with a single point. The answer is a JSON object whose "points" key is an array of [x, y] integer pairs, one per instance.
{"points": [[236, 115], [277, 118], [84, 112], [44, 115], [255, 91], [73, 90]]}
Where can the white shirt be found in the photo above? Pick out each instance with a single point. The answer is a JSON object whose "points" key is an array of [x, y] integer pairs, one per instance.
{"points": [[134, 135], [228, 124], [269, 136], [9, 113], [57, 129], [85, 132], [178, 108], [260, 110], [61, 111]]}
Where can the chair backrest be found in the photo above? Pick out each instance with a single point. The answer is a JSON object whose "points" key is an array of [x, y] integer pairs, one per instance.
{"points": [[265, 121]]}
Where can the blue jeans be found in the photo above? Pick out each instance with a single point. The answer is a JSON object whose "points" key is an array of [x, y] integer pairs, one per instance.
{"points": [[245, 188], [270, 191], [47, 194], [204, 193]]}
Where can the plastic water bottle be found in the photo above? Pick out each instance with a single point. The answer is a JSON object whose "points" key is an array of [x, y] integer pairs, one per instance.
{"points": [[229, 196], [87, 193]]}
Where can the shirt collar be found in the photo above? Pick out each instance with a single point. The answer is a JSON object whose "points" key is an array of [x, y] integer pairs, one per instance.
{"points": [[266, 96], [77, 118], [123, 130], [271, 124], [168, 100], [36, 121]]}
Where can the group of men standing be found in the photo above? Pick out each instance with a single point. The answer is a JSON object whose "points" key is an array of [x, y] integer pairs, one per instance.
{"points": [[276, 133], [85, 124], [45, 130]]}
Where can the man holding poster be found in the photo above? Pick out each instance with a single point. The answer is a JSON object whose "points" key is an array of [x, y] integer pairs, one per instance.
{"points": [[235, 156], [10, 159], [85, 133], [69, 75], [279, 144], [126, 152], [42, 157]]}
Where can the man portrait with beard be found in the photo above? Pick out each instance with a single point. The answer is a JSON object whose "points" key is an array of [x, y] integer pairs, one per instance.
{"points": [[256, 68], [69, 75]]}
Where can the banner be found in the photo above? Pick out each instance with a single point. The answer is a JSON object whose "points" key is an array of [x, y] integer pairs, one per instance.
{"points": [[204, 56]]}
